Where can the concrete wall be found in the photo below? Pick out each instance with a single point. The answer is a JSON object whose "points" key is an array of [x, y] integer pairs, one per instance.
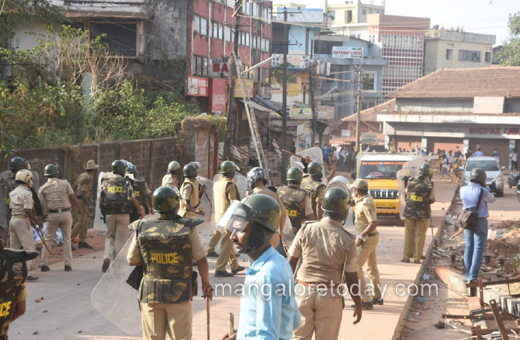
{"points": [[434, 105]]}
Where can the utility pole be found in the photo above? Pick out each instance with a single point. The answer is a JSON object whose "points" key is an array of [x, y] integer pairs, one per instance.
{"points": [[284, 96], [313, 107], [231, 88], [359, 93]]}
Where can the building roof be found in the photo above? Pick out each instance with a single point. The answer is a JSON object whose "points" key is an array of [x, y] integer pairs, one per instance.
{"points": [[497, 81], [107, 14], [370, 115]]}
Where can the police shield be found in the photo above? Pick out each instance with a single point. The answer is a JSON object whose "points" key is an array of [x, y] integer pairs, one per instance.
{"points": [[206, 204], [99, 224], [314, 154], [115, 299], [409, 170]]}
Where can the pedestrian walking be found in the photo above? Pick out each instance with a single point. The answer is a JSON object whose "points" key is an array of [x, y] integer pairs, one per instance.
{"points": [[328, 260], [296, 200], [514, 160], [417, 213], [271, 311], [496, 155], [117, 201], [366, 242], [166, 246], [83, 187], [57, 199], [225, 192], [473, 195], [23, 216]]}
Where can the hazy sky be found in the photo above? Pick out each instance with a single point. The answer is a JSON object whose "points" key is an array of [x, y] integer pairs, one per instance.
{"points": [[479, 16]]}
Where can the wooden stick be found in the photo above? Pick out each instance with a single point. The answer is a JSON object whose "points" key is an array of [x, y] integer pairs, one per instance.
{"points": [[457, 233], [307, 159], [207, 316], [231, 324], [43, 239]]}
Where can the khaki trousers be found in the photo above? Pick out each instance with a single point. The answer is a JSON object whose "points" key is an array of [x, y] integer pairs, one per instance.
{"points": [[20, 235], [159, 319], [414, 237], [321, 313], [117, 233], [80, 227], [227, 254], [64, 222], [214, 241], [366, 254]]}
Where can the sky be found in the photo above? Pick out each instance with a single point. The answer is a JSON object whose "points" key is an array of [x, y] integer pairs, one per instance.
{"points": [[476, 16]]}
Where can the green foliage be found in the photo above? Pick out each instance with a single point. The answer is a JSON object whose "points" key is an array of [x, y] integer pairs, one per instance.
{"points": [[278, 74], [510, 55]]}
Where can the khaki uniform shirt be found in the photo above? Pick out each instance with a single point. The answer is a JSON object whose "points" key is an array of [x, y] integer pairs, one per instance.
{"points": [[224, 193], [324, 263], [169, 181], [270, 193], [21, 199], [197, 250], [189, 193], [84, 184], [55, 194], [366, 212]]}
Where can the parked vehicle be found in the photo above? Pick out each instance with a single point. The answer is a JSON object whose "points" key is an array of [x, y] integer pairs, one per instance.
{"points": [[494, 180], [513, 179]]}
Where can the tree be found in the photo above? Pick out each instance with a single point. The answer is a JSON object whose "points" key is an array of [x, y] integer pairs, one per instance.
{"points": [[510, 55]]}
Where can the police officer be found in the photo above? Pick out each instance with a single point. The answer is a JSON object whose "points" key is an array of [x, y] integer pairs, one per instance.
{"points": [[171, 179], [57, 197], [13, 293], [224, 192], [366, 242], [313, 184], [142, 193], [297, 201], [116, 201], [165, 247], [419, 196], [23, 216], [257, 181], [8, 183], [190, 193], [83, 187], [324, 268]]}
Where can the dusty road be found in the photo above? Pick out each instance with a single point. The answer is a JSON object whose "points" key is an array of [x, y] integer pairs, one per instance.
{"points": [[66, 313]]}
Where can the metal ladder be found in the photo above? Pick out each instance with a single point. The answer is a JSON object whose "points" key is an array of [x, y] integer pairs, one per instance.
{"points": [[253, 126]]}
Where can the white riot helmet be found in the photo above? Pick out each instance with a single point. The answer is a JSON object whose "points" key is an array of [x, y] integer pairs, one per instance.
{"points": [[24, 176], [254, 175]]}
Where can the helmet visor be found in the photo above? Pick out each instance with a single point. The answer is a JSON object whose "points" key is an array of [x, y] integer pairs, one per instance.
{"points": [[339, 182], [235, 218]]}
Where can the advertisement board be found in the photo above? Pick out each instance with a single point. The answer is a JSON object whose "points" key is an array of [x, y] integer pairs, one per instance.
{"points": [[341, 52], [217, 98], [197, 86], [238, 91], [301, 111]]}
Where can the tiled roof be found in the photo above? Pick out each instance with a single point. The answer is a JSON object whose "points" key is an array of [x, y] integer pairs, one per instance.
{"points": [[370, 115], [495, 81]]}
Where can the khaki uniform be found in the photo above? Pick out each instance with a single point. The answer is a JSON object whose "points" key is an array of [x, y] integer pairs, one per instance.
{"points": [[297, 203], [83, 185], [12, 286], [366, 253], [19, 226], [316, 190], [141, 192], [419, 193], [54, 195], [224, 191], [165, 292], [321, 308], [275, 240], [189, 193], [170, 181], [117, 229]]}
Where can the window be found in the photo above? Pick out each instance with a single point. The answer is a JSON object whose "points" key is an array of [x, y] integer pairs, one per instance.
{"points": [[488, 57], [364, 11], [244, 39], [470, 56], [120, 38], [449, 54], [200, 25], [199, 66], [257, 42], [348, 17], [369, 81], [246, 8], [228, 33], [218, 31]]}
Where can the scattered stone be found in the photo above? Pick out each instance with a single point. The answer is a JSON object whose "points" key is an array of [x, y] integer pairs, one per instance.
{"points": [[37, 300], [80, 331], [42, 298], [45, 311], [35, 332], [79, 284], [440, 325]]}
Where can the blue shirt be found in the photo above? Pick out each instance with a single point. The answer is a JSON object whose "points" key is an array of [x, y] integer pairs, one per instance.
{"points": [[469, 196], [479, 154], [268, 308], [325, 153]]}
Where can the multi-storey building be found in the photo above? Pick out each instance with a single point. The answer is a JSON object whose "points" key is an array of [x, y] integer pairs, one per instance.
{"points": [[402, 44], [350, 18], [457, 49]]}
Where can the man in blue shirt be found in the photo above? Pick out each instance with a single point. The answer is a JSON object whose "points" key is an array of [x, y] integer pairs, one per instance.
{"points": [[479, 153], [326, 152], [476, 239], [268, 308]]}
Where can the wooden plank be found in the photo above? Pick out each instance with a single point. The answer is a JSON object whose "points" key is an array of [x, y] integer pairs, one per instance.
{"points": [[474, 305], [498, 319]]}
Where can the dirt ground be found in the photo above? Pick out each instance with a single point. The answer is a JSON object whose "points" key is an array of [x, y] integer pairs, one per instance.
{"points": [[499, 263]]}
